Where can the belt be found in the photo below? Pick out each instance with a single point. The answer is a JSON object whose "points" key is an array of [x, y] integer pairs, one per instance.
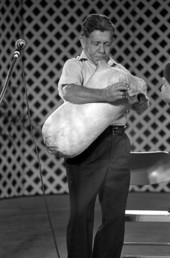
{"points": [[117, 129]]}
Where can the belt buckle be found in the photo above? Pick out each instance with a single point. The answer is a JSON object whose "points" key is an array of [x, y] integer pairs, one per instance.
{"points": [[119, 130]]}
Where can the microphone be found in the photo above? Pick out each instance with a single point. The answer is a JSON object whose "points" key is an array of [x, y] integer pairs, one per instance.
{"points": [[167, 71], [20, 44]]}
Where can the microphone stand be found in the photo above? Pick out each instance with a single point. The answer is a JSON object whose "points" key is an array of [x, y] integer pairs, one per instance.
{"points": [[14, 58], [20, 44]]}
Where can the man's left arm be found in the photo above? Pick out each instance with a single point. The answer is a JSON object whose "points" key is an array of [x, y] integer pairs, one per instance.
{"points": [[141, 106], [138, 99]]}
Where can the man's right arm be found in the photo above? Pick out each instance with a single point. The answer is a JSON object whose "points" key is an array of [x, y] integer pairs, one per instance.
{"points": [[81, 95]]}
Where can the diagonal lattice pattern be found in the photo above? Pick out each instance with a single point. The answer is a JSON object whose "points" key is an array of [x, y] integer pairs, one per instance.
{"points": [[51, 30]]}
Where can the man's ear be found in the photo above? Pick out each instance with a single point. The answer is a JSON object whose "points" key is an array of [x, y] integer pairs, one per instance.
{"points": [[82, 41]]}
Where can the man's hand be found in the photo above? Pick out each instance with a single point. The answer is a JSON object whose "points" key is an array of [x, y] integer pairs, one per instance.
{"points": [[116, 92], [134, 96], [165, 91], [141, 106], [137, 104]]}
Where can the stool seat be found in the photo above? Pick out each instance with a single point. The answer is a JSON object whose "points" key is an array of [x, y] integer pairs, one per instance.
{"points": [[147, 216], [149, 167]]}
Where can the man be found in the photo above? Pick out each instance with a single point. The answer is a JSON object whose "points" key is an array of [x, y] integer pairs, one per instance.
{"points": [[165, 91], [103, 168]]}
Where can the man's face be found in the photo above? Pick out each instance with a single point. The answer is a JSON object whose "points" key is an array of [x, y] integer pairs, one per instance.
{"points": [[97, 46]]}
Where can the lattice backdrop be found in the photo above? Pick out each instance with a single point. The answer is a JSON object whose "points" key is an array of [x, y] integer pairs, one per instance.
{"points": [[51, 30]]}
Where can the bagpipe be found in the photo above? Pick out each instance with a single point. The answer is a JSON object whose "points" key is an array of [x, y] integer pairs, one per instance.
{"points": [[71, 128]]}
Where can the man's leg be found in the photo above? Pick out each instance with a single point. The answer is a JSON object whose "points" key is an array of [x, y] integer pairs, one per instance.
{"points": [[80, 226], [113, 196], [85, 175]]}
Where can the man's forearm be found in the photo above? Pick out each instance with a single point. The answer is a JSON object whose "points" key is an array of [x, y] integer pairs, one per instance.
{"points": [[81, 95]]}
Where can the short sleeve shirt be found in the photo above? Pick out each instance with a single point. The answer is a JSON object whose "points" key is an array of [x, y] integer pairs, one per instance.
{"points": [[79, 70]]}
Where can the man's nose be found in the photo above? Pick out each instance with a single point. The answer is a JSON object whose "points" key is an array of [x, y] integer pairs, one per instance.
{"points": [[101, 48]]}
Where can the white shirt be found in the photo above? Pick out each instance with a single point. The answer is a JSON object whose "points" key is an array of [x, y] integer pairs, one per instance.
{"points": [[78, 71]]}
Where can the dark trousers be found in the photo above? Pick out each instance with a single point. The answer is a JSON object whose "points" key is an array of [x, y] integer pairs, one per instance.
{"points": [[103, 170]]}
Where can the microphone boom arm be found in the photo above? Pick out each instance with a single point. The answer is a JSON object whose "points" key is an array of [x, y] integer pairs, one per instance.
{"points": [[15, 57]]}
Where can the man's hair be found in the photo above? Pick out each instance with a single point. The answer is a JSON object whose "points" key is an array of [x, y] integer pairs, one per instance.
{"points": [[97, 22]]}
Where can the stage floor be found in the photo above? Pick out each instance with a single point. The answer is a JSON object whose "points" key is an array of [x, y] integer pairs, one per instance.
{"points": [[25, 230]]}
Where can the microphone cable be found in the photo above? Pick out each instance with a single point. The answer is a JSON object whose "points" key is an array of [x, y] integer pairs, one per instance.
{"points": [[37, 154]]}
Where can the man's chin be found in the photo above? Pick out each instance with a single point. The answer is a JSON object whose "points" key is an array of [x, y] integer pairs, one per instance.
{"points": [[100, 60]]}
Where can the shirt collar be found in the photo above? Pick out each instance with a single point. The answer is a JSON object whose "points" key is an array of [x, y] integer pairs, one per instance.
{"points": [[83, 57]]}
